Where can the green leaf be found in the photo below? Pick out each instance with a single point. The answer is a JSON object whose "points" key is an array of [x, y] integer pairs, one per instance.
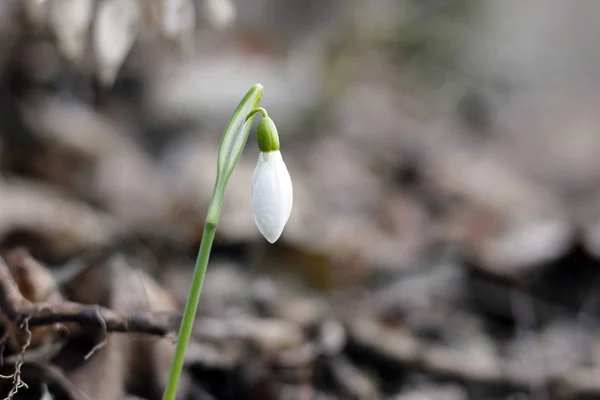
{"points": [[236, 134]]}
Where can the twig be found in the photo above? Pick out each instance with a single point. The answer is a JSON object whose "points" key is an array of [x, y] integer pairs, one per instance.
{"points": [[16, 308], [16, 376], [102, 343]]}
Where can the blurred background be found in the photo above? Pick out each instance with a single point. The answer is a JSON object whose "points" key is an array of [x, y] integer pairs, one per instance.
{"points": [[445, 155]]}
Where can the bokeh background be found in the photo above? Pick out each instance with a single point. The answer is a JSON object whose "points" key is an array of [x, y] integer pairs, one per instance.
{"points": [[445, 154]]}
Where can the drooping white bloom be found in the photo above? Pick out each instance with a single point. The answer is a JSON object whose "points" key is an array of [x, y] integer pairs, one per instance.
{"points": [[272, 195]]}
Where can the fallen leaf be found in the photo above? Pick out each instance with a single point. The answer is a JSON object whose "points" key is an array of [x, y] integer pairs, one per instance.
{"points": [[70, 21], [178, 22], [116, 30], [36, 12], [36, 284], [220, 13]]}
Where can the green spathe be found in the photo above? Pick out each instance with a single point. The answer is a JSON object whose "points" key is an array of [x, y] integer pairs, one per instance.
{"points": [[236, 134], [266, 135]]}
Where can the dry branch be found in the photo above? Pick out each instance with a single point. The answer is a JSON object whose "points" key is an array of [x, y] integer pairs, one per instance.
{"points": [[17, 309]]}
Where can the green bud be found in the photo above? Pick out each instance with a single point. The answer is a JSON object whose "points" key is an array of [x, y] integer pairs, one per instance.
{"points": [[266, 135]]}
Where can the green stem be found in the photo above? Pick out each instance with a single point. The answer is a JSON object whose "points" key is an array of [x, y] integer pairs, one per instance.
{"points": [[261, 110], [191, 306]]}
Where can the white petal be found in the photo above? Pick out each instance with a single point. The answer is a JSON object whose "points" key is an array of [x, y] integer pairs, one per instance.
{"points": [[272, 195]]}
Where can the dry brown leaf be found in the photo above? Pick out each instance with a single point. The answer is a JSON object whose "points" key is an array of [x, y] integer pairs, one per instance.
{"points": [[116, 29], [75, 127], [65, 225], [270, 335], [36, 12], [178, 22], [11, 32], [35, 281], [138, 359], [36, 284], [134, 290], [102, 376], [95, 157], [109, 166], [70, 20], [220, 13]]}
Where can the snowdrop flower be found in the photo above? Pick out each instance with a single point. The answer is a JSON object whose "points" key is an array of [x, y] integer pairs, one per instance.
{"points": [[272, 193]]}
